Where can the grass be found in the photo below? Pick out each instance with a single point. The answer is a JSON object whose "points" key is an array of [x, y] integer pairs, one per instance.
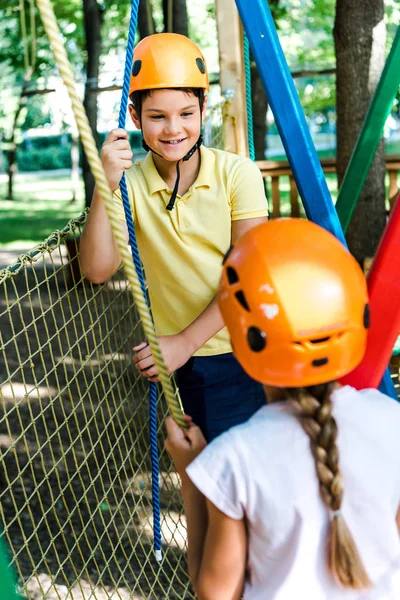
{"points": [[42, 204]]}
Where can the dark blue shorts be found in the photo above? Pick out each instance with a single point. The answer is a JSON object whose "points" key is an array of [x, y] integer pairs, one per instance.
{"points": [[217, 393]]}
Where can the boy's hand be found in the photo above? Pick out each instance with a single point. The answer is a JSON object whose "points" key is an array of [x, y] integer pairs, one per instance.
{"points": [[183, 446], [174, 349], [116, 156]]}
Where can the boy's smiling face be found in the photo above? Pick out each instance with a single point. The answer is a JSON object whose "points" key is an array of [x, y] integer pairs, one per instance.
{"points": [[170, 122]]}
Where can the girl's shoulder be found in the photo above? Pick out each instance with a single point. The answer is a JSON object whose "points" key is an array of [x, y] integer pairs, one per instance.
{"points": [[370, 398]]}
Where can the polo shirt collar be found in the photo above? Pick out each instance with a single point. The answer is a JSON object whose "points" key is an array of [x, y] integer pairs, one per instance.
{"points": [[157, 184], [207, 166], [154, 180]]}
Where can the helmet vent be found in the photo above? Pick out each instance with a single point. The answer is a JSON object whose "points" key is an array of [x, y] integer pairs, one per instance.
{"points": [[137, 65], [320, 340], [241, 298], [200, 65], [319, 362], [257, 339], [232, 276]]}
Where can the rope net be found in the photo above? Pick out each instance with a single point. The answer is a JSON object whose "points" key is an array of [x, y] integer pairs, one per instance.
{"points": [[75, 479], [213, 124]]}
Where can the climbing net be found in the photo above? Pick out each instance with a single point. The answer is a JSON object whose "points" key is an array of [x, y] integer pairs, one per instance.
{"points": [[75, 494]]}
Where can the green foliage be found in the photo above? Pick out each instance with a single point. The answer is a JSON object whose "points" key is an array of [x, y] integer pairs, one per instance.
{"points": [[306, 33], [36, 113], [12, 42], [279, 11], [44, 159], [317, 94], [54, 151], [115, 26], [15, 49]]}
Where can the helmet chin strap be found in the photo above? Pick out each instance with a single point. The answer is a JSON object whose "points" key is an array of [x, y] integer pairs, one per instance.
{"points": [[174, 194]]}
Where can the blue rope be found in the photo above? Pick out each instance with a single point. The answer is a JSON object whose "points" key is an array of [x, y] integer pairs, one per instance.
{"points": [[138, 265], [249, 102]]}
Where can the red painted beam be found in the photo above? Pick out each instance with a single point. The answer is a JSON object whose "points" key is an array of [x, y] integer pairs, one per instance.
{"points": [[384, 293]]}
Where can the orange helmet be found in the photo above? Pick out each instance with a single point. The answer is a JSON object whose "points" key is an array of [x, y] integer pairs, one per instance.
{"points": [[295, 303], [167, 60]]}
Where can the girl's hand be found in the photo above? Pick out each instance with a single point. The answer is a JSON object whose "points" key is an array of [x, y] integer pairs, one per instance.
{"points": [[116, 156], [183, 445]]}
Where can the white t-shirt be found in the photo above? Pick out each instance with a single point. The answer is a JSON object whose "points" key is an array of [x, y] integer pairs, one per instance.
{"points": [[264, 470]]}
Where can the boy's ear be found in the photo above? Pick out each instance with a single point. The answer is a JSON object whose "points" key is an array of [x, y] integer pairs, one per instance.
{"points": [[203, 112], [134, 116]]}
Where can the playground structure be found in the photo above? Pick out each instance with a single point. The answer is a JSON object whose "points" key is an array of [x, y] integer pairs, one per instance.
{"points": [[76, 485]]}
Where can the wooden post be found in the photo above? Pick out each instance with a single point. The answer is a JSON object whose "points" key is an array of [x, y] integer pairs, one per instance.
{"points": [[276, 197], [294, 198], [232, 77]]}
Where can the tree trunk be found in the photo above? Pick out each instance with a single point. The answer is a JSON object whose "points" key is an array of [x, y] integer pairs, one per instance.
{"points": [[12, 147], [175, 16], [145, 19], [360, 37], [260, 107], [74, 165], [92, 20]]}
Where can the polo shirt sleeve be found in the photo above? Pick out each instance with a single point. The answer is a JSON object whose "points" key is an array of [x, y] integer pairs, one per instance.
{"points": [[247, 193], [217, 473], [117, 200]]}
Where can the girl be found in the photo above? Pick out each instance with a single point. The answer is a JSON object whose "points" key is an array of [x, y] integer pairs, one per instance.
{"points": [[300, 502]]}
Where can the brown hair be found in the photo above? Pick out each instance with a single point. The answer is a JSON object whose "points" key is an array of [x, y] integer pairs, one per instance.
{"points": [[315, 414], [140, 95]]}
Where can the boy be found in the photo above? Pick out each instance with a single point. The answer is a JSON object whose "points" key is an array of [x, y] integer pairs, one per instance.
{"points": [[189, 205]]}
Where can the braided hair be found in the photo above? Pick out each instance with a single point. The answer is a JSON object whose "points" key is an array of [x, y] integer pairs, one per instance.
{"points": [[315, 414]]}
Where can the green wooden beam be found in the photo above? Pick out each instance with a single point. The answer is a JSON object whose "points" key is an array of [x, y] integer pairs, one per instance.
{"points": [[7, 580]]}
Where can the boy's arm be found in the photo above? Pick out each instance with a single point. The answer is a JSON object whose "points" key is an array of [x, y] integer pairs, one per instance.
{"points": [[241, 226], [177, 349], [99, 253]]}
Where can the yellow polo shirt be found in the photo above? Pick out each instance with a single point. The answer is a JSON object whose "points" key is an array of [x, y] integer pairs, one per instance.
{"points": [[182, 249]]}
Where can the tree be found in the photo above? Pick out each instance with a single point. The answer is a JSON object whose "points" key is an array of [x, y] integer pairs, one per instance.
{"points": [[175, 16], [93, 18], [37, 113], [360, 37], [26, 62], [146, 24]]}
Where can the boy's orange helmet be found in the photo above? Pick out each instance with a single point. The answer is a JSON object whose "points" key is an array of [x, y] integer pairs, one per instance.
{"points": [[168, 60], [295, 303]]}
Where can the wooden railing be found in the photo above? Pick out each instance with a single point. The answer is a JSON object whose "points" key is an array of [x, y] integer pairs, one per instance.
{"points": [[275, 169]]}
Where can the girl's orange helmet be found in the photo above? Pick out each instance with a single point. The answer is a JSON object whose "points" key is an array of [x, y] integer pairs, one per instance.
{"points": [[168, 60], [295, 303]]}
